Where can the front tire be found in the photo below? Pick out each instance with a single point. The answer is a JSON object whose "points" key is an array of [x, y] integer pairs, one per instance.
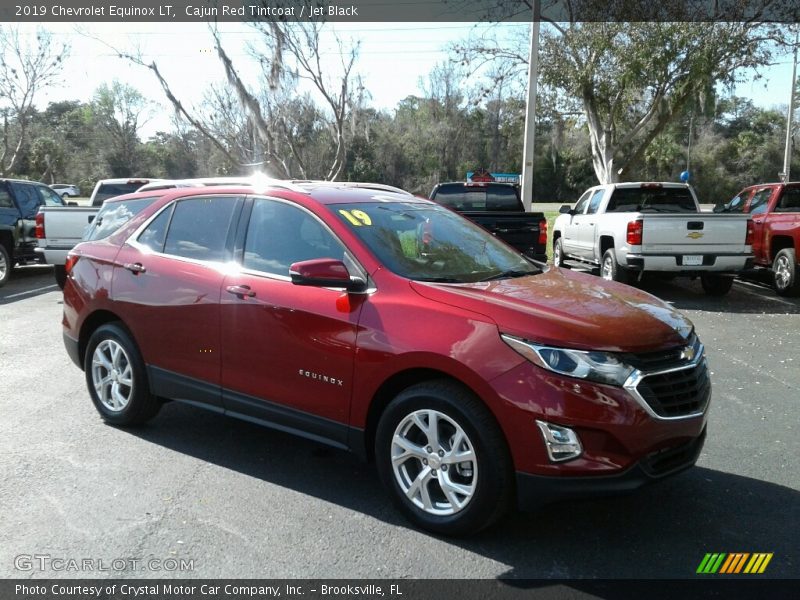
{"points": [[117, 378], [5, 265], [784, 273], [443, 458], [716, 285], [610, 270], [558, 254]]}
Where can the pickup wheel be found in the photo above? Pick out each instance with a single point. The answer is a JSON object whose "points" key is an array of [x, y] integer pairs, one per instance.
{"points": [[558, 254], [443, 458], [117, 379], [610, 269], [716, 285], [60, 272], [784, 272], [5, 265]]}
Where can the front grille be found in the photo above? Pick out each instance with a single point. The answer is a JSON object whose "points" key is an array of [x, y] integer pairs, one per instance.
{"points": [[677, 393], [662, 359]]}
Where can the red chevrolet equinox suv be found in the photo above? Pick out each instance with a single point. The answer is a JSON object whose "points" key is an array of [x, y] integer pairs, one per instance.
{"points": [[372, 320]]}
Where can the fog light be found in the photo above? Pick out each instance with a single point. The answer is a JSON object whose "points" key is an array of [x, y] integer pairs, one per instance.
{"points": [[561, 442]]}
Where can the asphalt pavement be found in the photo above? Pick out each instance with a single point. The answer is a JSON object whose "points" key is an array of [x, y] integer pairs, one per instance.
{"points": [[231, 499]]}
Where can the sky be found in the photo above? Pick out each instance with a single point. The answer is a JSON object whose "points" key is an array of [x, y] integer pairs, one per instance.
{"points": [[393, 59]]}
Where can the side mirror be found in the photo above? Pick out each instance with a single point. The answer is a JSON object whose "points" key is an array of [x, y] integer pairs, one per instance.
{"points": [[566, 209], [325, 272]]}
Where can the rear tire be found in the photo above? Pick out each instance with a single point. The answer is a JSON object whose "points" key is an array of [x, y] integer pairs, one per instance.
{"points": [[420, 437], [558, 254], [610, 270], [117, 378], [60, 272], [5, 265], [786, 279], [716, 285]]}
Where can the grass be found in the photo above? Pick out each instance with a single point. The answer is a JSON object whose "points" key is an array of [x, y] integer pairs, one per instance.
{"points": [[551, 218]]}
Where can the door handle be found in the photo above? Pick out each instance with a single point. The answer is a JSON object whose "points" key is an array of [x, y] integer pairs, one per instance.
{"points": [[241, 291], [136, 268], [758, 221]]}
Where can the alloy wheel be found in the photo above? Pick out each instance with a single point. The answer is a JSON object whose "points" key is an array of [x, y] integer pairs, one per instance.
{"points": [[434, 462], [783, 273], [112, 375]]}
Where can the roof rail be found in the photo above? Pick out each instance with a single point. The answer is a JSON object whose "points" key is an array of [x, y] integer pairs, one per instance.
{"points": [[354, 184]]}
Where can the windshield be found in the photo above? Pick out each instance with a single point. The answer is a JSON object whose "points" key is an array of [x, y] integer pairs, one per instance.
{"points": [[427, 242], [652, 199], [110, 190]]}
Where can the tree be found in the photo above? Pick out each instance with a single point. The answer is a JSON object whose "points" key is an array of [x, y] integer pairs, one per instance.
{"points": [[121, 111], [288, 53], [26, 68], [630, 80]]}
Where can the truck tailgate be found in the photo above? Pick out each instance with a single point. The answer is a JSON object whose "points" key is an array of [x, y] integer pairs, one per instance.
{"points": [[64, 227], [698, 233], [518, 229]]}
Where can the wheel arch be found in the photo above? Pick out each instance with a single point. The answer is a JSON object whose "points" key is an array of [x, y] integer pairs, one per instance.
{"points": [[92, 323], [780, 242], [394, 385]]}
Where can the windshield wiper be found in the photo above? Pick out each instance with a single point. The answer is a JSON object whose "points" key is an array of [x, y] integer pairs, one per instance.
{"points": [[511, 273]]}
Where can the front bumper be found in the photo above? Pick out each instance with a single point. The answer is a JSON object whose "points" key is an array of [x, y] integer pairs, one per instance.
{"points": [[536, 490]]}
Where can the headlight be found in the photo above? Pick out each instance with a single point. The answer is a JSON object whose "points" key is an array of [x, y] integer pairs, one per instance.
{"points": [[602, 367]]}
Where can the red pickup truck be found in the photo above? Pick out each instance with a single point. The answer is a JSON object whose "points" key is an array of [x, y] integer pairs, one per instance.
{"points": [[775, 211]]}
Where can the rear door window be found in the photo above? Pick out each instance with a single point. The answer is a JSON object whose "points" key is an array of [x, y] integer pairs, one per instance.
{"points": [[200, 228], [594, 203], [789, 202]]}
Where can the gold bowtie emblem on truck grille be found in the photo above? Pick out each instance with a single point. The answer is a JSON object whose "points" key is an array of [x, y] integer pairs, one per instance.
{"points": [[695, 235]]}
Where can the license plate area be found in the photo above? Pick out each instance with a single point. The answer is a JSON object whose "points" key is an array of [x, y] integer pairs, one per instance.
{"points": [[692, 260]]}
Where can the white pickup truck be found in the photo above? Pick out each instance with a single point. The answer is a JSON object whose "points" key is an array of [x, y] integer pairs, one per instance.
{"points": [[59, 229], [628, 229]]}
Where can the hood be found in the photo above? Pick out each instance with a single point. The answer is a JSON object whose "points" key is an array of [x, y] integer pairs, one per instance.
{"points": [[568, 309]]}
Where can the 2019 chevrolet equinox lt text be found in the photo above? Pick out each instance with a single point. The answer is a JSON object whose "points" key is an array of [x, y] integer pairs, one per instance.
{"points": [[382, 323]]}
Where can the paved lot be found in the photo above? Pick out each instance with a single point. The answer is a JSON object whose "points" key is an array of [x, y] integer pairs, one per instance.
{"points": [[242, 501]]}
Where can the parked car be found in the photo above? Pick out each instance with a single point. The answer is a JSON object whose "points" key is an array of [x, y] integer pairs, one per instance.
{"points": [[19, 202], [628, 229], [775, 210], [390, 326], [66, 190], [58, 229], [498, 208]]}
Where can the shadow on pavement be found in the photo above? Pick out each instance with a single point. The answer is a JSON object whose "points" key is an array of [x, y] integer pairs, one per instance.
{"points": [[662, 531], [28, 282], [746, 297]]}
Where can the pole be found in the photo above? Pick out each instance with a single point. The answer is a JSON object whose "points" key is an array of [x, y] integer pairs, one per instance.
{"points": [[530, 115], [787, 153]]}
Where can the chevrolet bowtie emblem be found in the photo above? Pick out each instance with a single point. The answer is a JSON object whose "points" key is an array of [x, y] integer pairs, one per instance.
{"points": [[688, 353], [695, 235]]}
